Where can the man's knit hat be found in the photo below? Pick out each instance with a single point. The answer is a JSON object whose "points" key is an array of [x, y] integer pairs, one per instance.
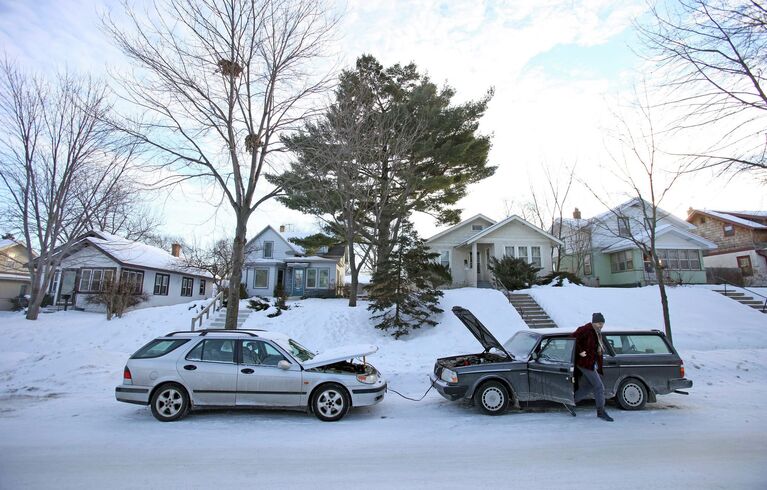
{"points": [[597, 318]]}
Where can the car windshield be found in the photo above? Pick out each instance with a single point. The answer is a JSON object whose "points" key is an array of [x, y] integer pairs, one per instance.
{"points": [[299, 351], [521, 344]]}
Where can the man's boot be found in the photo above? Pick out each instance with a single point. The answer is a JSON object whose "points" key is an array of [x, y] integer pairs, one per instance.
{"points": [[603, 415]]}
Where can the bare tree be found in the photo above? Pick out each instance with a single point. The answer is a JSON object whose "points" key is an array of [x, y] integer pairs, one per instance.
{"points": [[125, 214], [60, 164], [215, 259], [711, 54], [548, 203], [219, 81]]}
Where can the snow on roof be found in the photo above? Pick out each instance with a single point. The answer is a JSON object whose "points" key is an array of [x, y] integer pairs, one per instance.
{"points": [[466, 221], [139, 254], [6, 243], [625, 243], [726, 215], [503, 223]]}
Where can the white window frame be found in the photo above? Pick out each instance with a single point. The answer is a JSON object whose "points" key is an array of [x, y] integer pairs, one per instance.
{"points": [[444, 256], [187, 286], [533, 257], [477, 227], [255, 277], [587, 265], [312, 271], [519, 253], [508, 249], [320, 274], [271, 250]]}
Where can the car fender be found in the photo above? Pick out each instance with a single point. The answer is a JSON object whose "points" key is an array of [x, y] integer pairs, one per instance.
{"points": [[169, 379], [493, 377], [651, 395]]}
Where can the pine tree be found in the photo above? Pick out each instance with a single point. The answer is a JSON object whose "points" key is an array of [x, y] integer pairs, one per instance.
{"points": [[404, 290]]}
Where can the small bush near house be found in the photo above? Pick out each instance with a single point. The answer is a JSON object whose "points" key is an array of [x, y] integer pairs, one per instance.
{"points": [[19, 303], [257, 305], [558, 278], [513, 273], [280, 297], [117, 297], [243, 292]]}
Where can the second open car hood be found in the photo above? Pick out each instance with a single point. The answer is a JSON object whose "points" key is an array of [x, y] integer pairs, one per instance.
{"points": [[479, 331], [338, 354]]}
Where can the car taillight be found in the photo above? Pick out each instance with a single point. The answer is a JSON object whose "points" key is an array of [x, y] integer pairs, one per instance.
{"points": [[681, 370], [127, 378]]}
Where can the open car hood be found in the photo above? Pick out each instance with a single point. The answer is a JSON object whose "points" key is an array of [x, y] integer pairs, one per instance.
{"points": [[479, 331], [337, 354]]}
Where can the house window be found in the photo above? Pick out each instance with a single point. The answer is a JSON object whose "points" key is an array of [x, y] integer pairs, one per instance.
{"points": [[444, 259], [186, 286], [535, 253], [324, 278], [744, 263], [95, 280], [622, 261], [672, 259], [261, 278], [311, 278], [268, 250], [728, 230], [508, 252], [202, 287], [648, 224], [623, 226], [587, 265], [317, 278], [161, 282], [134, 280], [476, 227], [694, 257], [522, 253]]}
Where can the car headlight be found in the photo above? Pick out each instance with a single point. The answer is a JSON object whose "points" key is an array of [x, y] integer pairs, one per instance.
{"points": [[368, 379], [449, 376]]}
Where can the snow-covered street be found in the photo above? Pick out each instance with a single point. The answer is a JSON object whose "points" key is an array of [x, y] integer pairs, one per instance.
{"points": [[61, 427]]}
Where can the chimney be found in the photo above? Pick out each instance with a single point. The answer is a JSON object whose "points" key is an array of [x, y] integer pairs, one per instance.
{"points": [[577, 214], [282, 228], [175, 249]]}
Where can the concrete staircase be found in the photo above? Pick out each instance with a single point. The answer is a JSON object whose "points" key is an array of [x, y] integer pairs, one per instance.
{"points": [[530, 311], [743, 299], [219, 320], [484, 284]]}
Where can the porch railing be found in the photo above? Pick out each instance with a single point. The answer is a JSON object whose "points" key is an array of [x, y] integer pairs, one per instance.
{"points": [[215, 305]]}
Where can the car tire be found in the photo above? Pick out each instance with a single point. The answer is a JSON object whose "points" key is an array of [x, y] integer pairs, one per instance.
{"points": [[631, 395], [330, 402], [169, 402], [492, 398]]}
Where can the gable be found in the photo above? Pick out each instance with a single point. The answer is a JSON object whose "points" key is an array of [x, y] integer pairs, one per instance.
{"points": [[462, 231], [281, 248]]}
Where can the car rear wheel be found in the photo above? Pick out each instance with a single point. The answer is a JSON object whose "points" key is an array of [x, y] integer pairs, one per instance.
{"points": [[169, 402], [330, 402], [492, 398], [632, 394]]}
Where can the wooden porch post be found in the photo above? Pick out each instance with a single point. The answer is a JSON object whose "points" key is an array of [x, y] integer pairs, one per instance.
{"points": [[475, 264]]}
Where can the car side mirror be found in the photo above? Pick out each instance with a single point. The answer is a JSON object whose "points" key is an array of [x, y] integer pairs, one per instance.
{"points": [[283, 364]]}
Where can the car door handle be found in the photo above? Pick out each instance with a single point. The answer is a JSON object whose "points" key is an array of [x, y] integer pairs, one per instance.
{"points": [[190, 367], [246, 371]]}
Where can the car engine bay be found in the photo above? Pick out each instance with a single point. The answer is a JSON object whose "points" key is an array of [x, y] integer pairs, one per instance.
{"points": [[471, 359]]}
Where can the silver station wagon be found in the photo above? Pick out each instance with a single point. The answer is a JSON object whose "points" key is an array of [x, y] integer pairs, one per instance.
{"points": [[181, 371], [538, 365]]}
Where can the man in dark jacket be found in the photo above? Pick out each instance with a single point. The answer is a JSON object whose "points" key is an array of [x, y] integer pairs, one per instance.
{"points": [[588, 359]]}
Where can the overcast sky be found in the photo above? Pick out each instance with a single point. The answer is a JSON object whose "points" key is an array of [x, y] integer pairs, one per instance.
{"points": [[560, 70]]}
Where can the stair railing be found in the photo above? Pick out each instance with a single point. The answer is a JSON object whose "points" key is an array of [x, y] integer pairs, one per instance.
{"points": [[764, 305], [215, 305]]}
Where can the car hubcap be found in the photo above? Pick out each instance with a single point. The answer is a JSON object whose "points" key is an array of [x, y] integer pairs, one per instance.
{"points": [[632, 394], [492, 399], [330, 403], [169, 402]]}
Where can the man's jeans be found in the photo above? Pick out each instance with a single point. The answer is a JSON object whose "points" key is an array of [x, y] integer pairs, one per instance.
{"points": [[591, 381]]}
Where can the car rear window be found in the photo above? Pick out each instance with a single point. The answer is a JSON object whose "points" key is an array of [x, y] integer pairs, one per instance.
{"points": [[638, 344], [158, 348]]}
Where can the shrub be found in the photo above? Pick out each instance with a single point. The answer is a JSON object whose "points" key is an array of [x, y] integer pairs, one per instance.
{"points": [[257, 305], [243, 292], [558, 278], [117, 297], [513, 273]]}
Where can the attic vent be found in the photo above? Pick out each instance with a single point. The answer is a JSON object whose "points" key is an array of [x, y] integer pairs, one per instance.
{"points": [[476, 227]]}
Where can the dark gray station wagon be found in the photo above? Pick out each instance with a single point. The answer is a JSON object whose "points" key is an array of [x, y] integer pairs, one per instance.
{"points": [[538, 365]]}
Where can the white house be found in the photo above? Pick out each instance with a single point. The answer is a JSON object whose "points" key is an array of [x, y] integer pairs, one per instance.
{"points": [[466, 248], [271, 260], [97, 258]]}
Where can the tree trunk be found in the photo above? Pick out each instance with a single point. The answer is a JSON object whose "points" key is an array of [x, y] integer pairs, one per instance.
{"points": [[664, 302], [35, 300], [238, 261], [355, 271]]}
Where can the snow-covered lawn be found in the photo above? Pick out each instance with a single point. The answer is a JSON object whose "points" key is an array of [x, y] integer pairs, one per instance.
{"points": [[61, 427]]}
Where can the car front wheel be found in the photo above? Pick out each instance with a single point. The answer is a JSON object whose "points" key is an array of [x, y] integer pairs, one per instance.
{"points": [[169, 402], [632, 394], [330, 403], [492, 398]]}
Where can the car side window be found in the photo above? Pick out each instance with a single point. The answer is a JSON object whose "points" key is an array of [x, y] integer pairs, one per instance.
{"points": [[636, 344], [259, 353], [213, 350], [557, 350]]}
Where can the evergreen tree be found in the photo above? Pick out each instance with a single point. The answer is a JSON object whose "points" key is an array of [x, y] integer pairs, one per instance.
{"points": [[513, 273], [403, 293]]}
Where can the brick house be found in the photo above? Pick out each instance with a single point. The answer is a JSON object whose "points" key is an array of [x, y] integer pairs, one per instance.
{"points": [[741, 237]]}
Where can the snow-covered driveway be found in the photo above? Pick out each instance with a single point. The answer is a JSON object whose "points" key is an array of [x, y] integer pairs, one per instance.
{"points": [[60, 426]]}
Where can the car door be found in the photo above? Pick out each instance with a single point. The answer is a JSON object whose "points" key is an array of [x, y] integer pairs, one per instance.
{"points": [[550, 370], [610, 367], [647, 356], [260, 382], [210, 372]]}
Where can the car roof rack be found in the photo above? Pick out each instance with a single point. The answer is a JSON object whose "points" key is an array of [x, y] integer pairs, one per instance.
{"points": [[206, 331]]}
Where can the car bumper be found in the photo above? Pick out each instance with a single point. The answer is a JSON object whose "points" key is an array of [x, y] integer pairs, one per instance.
{"points": [[450, 391], [132, 394], [365, 395], [679, 384]]}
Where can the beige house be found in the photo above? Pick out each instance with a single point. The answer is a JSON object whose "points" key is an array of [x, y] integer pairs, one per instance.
{"points": [[14, 277], [466, 248]]}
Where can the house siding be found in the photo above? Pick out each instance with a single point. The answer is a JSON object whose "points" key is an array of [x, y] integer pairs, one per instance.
{"points": [[712, 229]]}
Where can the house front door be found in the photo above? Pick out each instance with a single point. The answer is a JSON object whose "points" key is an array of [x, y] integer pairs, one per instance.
{"points": [[67, 291], [298, 282]]}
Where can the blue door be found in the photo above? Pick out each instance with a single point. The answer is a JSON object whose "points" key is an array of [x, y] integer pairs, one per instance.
{"points": [[298, 282]]}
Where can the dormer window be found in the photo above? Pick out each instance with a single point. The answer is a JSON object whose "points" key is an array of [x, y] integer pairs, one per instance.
{"points": [[477, 227], [268, 250]]}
